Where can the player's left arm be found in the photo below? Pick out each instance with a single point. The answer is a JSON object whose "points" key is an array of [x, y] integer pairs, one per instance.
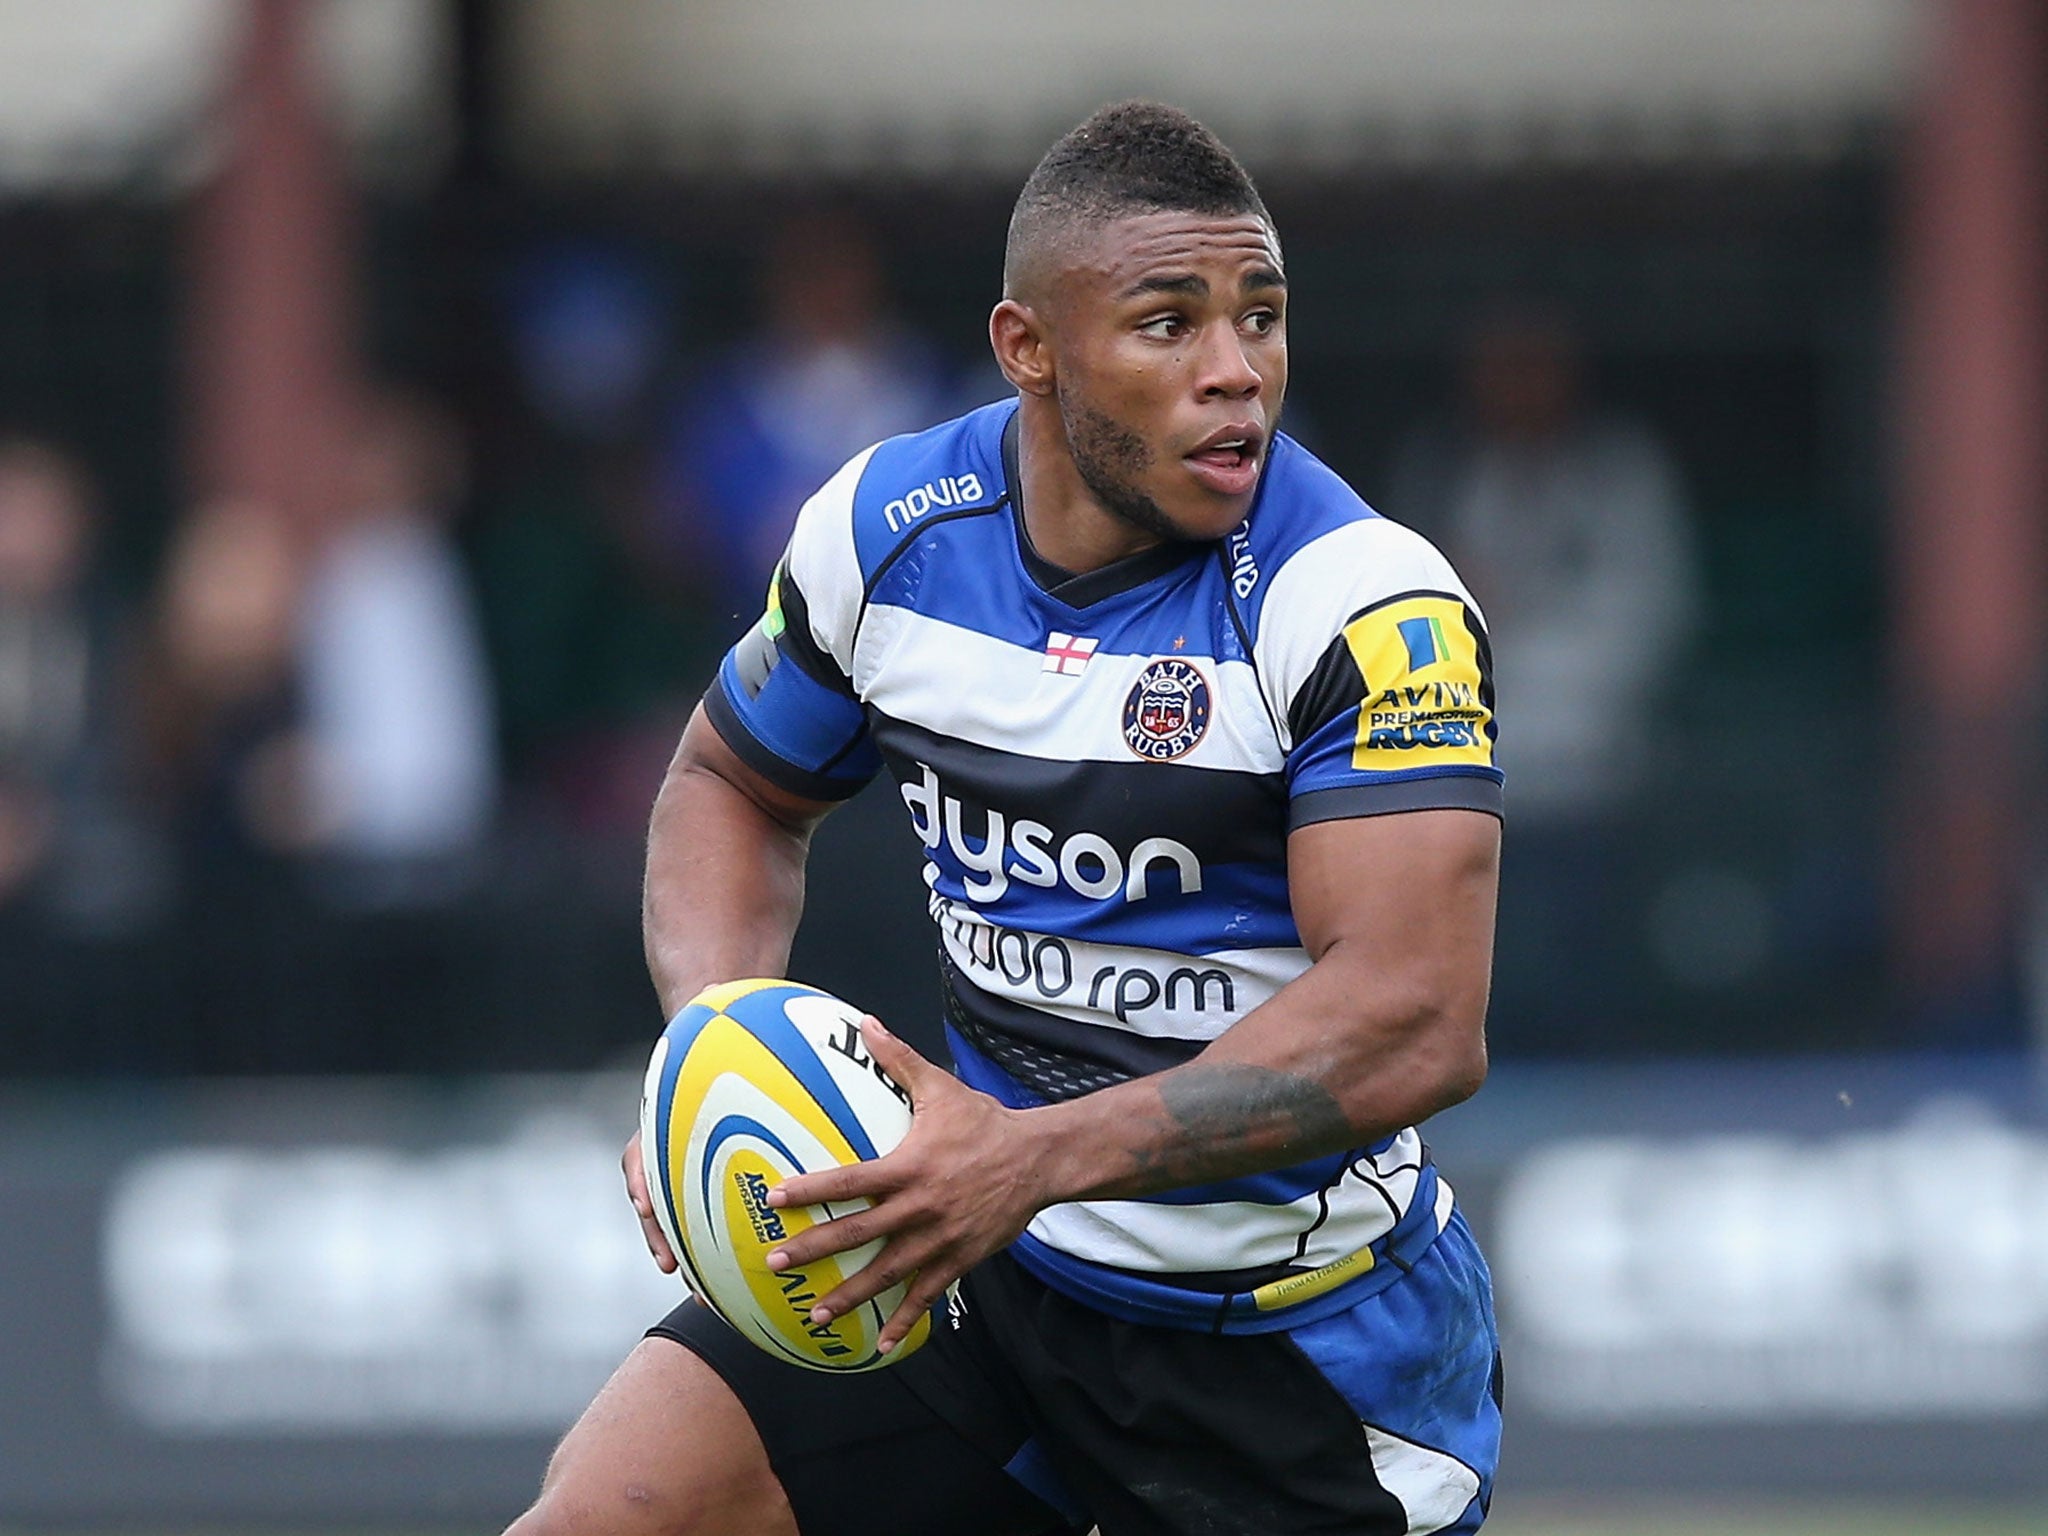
{"points": [[1384, 1029]]}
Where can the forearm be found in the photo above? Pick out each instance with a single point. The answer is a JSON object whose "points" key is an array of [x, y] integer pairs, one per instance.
{"points": [[725, 878], [1323, 1066]]}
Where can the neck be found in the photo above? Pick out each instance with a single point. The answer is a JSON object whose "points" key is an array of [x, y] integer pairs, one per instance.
{"points": [[1067, 524]]}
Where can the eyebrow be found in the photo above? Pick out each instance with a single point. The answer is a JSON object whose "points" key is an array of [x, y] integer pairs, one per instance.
{"points": [[1192, 287]]}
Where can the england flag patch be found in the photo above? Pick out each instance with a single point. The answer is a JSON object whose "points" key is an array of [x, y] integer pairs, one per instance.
{"points": [[1068, 654]]}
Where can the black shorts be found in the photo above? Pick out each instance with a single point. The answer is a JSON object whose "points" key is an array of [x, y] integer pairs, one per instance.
{"points": [[1029, 1414]]}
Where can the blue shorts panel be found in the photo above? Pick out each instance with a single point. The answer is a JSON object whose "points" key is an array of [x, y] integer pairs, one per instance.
{"points": [[1420, 1365]]}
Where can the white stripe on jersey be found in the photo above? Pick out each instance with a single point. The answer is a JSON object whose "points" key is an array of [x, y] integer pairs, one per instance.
{"points": [[1314, 594], [1155, 1238], [824, 563], [961, 683], [1104, 984]]}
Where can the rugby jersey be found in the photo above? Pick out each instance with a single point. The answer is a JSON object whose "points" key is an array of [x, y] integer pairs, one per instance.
{"points": [[1103, 769]]}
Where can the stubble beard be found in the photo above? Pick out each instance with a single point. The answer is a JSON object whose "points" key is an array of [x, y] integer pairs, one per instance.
{"points": [[1109, 458]]}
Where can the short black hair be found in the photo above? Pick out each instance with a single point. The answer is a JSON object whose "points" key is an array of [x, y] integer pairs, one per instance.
{"points": [[1131, 157]]}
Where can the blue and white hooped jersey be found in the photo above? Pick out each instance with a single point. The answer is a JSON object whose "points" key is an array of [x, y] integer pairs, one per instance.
{"points": [[1104, 770]]}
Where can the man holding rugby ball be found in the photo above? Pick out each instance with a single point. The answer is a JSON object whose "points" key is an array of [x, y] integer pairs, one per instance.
{"points": [[1201, 752]]}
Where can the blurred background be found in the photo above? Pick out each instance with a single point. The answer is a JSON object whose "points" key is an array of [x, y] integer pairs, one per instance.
{"points": [[403, 401]]}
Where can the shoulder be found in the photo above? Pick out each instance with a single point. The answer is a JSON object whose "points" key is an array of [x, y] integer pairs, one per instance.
{"points": [[883, 498], [1313, 558], [1312, 547], [888, 493]]}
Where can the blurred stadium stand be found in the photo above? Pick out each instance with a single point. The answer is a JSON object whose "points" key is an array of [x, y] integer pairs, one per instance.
{"points": [[570, 181]]}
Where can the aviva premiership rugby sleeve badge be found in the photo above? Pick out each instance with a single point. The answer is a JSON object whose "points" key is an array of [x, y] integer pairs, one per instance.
{"points": [[1427, 698], [1397, 715]]}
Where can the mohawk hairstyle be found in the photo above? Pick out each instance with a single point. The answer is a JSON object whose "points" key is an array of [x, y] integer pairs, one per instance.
{"points": [[1132, 157]]}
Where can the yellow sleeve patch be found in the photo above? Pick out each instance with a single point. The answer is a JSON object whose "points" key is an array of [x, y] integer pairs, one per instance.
{"points": [[1425, 687]]}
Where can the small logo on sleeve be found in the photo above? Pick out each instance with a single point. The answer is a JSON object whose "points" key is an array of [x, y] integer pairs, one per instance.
{"points": [[1426, 701], [1167, 710], [1424, 638]]}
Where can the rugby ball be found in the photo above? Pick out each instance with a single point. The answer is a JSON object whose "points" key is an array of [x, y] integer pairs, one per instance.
{"points": [[754, 1082]]}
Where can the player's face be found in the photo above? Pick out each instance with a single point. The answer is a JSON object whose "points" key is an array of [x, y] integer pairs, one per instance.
{"points": [[1172, 361]]}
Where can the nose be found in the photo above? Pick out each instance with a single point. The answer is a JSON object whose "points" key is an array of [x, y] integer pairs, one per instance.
{"points": [[1227, 371]]}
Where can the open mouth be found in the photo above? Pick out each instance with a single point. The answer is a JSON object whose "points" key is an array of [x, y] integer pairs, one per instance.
{"points": [[1228, 462], [1231, 453]]}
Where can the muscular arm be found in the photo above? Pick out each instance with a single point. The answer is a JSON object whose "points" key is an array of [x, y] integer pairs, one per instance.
{"points": [[723, 892], [1385, 1028], [725, 870], [1382, 1031]]}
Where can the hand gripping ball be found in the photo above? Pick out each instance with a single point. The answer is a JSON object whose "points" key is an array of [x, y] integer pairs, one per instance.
{"points": [[754, 1082]]}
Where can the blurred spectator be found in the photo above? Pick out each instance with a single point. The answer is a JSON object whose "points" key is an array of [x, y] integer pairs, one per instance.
{"points": [[593, 652], [1572, 528], [222, 705], [763, 426], [588, 327], [398, 720], [62, 822]]}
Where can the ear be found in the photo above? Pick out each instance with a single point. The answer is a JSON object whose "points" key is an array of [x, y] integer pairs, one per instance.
{"points": [[1023, 346]]}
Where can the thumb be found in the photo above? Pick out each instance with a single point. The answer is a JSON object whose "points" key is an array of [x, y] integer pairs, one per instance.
{"points": [[910, 1070]]}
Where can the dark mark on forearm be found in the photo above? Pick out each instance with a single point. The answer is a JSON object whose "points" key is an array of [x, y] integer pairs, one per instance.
{"points": [[1234, 1118]]}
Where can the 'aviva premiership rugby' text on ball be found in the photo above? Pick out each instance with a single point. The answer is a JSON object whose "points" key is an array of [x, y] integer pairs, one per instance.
{"points": [[754, 1082]]}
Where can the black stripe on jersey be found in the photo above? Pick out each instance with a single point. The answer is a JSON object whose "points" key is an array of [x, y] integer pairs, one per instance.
{"points": [[1054, 1055], [1223, 816], [1084, 589], [1336, 684], [812, 786], [1439, 792]]}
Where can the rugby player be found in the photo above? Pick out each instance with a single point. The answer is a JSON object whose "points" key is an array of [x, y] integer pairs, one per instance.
{"points": [[1200, 749]]}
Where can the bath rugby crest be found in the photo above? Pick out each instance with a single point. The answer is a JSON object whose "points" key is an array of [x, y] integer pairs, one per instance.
{"points": [[1166, 710], [1104, 771]]}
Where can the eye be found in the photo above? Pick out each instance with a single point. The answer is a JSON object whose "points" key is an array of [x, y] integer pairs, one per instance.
{"points": [[1164, 327], [1262, 322]]}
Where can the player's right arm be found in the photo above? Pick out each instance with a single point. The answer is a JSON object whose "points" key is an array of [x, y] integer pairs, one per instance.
{"points": [[779, 739], [725, 869], [726, 848]]}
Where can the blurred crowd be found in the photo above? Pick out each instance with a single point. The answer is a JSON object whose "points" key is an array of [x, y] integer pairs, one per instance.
{"points": [[461, 676], [484, 645], [315, 693]]}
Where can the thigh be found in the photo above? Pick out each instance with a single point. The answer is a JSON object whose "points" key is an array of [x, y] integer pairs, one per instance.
{"points": [[931, 1446], [664, 1448]]}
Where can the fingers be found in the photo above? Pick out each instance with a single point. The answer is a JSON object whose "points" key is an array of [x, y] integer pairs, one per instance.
{"points": [[858, 1289], [897, 1058], [925, 1285], [830, 1237], [631, 1164], [643, 1206], [834, 1186], [926, 1277], [657, 1245], [900, 1258], [922, 1296]]}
